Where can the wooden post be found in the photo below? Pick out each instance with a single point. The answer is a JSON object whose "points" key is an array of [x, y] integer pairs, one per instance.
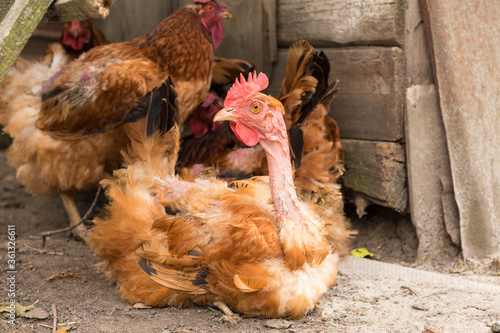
{"points": [[16, 28]]}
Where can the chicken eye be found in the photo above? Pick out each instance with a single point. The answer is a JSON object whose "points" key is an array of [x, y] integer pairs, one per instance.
{"points": [[256, 107], [210, 8]]}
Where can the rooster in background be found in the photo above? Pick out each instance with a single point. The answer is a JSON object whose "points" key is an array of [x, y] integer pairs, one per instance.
{"points": [[71, 139], [314, 138], [256, 248]]}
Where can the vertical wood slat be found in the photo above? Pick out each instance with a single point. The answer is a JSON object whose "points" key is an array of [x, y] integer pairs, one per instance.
{"points": [[465, 49]]}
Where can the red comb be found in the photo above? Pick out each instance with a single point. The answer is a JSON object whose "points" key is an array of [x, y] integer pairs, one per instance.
{"points": [[242, 89]]}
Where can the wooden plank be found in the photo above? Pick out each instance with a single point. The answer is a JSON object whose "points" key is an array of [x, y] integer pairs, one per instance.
{"points": [[465, 40], [76, 10], [377, 169], [369, 104], [427, 150], [19, 21], [333, 22], [432, 204]]}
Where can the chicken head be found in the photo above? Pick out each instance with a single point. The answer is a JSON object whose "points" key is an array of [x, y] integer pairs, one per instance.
{"points": [[211, 15], [253, 115]]}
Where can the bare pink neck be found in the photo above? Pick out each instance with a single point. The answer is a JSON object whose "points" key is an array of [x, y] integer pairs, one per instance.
{"points": [[281, 179]]}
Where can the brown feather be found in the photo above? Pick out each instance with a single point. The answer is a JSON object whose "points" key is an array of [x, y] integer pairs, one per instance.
{"points": [[225, 71]]}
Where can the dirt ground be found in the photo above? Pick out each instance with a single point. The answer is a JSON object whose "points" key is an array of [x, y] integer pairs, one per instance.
{"points": [[64, 273]]}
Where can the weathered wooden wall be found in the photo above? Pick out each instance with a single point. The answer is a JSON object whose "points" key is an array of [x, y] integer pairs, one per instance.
{"points": [[363, 41]]}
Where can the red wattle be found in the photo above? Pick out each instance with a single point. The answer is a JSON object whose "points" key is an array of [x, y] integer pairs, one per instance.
{"points": [[247, 135]]}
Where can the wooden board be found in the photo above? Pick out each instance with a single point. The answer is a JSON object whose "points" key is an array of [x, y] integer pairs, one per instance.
{"points": [[432, 203], [377, 169], [428, 166], [369, 104], [333, 22], [76, 10], [465, 44]]}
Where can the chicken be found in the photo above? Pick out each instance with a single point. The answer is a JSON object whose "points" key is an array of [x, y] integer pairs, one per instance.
{"points": [[306, 96], [314, 139], [81, 36], [254, 247], [72, 138]]}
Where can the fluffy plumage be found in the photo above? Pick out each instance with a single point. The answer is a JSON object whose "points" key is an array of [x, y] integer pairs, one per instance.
{"points": [[255, 247]]}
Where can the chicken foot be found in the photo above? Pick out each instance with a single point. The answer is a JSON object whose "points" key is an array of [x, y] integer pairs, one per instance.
{"points": [[230, 316], [45, 234], [79, 231]]}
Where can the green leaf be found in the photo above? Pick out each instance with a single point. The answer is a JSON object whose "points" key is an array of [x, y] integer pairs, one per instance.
{"points": [[361, 253]]}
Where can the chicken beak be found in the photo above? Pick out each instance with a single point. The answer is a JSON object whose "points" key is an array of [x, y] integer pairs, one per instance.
{"points": [[226, 114], [226, 14]]}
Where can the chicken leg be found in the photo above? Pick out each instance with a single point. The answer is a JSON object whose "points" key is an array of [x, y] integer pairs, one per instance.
{"points": [[229, 315], [79, 232]]}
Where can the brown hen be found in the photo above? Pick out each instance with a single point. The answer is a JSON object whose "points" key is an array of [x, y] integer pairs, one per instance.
{"points": [[229, 246]]}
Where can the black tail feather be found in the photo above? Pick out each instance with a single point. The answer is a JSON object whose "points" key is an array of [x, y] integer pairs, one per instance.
{"points": [[159, 106], [296, 137]]}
